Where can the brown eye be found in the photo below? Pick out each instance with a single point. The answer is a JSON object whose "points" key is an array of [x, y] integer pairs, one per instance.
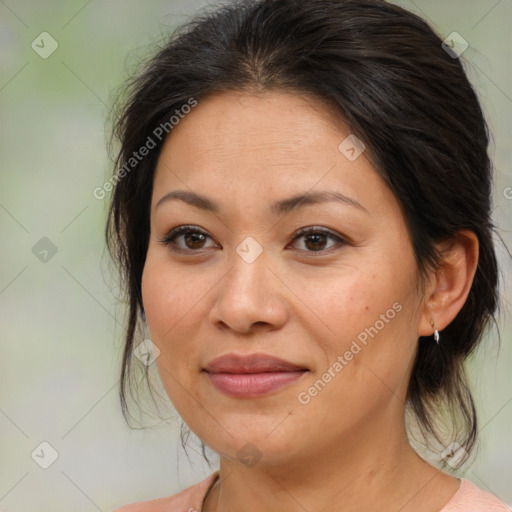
{"points": [[315, 239], [192, 238]]}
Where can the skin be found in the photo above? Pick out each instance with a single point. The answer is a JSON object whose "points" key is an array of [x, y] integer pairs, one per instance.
{"points": [[347, 448]]}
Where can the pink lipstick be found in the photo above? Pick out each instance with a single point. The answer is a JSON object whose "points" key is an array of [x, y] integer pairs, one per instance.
{"points": [[252, 375]]}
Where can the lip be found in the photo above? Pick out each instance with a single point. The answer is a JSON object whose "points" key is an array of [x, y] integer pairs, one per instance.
{"points": [[252, 375], [251, 363]]}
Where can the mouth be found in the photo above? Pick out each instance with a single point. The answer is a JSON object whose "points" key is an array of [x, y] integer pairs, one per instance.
{"points": [[253, 375]]}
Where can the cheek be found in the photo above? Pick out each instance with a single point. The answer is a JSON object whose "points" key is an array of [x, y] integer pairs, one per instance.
{"points": [[357, 301], [159, 291], [173, 302], [166, 303], [169, 296], [370, 313]]}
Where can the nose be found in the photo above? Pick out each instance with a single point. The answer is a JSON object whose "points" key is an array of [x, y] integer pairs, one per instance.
{"points": [[249, 297]]}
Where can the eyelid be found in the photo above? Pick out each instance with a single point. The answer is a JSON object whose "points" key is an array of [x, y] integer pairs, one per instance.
{"points": [[183, 229], [316, 229], [179, 230], [324, 231]]}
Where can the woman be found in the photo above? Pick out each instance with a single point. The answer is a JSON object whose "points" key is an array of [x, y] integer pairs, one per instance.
{"points": [[302, 218]]}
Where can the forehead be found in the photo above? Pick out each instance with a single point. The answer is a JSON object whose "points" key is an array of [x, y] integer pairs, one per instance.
{"points": [[273, 128], [241, 144]]}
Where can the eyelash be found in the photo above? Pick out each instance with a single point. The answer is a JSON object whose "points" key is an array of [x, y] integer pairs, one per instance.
{"points": [[168, 239]]}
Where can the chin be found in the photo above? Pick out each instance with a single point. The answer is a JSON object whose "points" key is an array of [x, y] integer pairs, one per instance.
{"points": [[249, 445]]}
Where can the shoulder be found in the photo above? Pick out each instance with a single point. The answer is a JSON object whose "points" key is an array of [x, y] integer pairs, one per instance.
{"points": [[188, 500], [470, 498]]}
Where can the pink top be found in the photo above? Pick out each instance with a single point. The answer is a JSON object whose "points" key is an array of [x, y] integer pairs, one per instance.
{"points": [[469, 498]]}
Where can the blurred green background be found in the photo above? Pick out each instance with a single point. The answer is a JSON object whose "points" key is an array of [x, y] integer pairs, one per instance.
{"points": [[60, 323]]}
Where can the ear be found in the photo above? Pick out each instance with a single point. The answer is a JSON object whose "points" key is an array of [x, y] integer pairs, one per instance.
{"points": [[449, 287]]}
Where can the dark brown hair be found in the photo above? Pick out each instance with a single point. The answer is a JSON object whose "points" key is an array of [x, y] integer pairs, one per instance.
{"points": [[385, 72]]}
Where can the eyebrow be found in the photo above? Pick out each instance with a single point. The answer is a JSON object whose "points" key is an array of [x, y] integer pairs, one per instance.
{"points": [[279, 208]]}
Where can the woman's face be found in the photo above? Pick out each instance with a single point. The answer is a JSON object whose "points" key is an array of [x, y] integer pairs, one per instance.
{"points": [[341, 303]]}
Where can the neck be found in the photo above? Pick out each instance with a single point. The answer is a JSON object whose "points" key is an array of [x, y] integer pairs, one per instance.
{"points": [[366, 471]]}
